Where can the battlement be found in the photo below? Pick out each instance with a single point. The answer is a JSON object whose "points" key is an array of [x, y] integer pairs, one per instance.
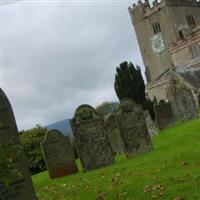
{"points": [[143, 9]]}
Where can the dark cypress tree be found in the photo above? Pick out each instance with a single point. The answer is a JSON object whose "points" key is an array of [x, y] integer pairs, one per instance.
{"points": [[129, 83]]}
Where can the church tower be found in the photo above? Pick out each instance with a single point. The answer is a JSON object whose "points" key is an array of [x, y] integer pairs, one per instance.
{"points": [[164, 31]]}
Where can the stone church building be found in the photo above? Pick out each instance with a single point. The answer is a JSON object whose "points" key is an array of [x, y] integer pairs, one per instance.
{"points": [[168, 33]]}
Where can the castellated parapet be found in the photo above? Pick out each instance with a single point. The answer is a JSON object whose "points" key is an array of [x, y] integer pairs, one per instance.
{"points": [[168, 36], [143, 9], [161, 25]]}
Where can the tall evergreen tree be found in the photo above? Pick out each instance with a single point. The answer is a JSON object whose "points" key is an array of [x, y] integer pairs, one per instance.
{"points": [[129, 83]]}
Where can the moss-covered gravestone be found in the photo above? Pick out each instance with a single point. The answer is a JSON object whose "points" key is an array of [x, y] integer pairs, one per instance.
{"points": [[133, 128], [183, 103], [91, 137], [15, 179], [58, 154], [114, 134], [181, 99]]}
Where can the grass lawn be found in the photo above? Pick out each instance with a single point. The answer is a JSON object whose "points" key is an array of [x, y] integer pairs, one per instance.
{"points": [[171, 171]]}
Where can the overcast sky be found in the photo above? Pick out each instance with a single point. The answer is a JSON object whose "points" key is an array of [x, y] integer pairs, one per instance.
{"points": [[58, 55]]}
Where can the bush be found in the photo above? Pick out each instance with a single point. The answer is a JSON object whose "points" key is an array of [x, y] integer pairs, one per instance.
{"points": [[31, 140]]}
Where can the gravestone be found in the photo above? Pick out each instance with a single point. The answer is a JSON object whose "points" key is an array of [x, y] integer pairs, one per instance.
{"points": [[198, 98], [164, 115], [58, 154], [20, 184], [183, 104], [133, 128], [181, 99], [150, 124], [91, 137], [114, 134]]}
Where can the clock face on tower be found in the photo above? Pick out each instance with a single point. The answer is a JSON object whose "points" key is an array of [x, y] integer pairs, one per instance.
{"points": [[158, 43]]}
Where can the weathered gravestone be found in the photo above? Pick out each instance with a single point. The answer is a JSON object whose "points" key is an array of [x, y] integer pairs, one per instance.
{"points": [[20, 185], [91, 137], [181, 99], [198, 97], [164, 115], [58, 154], [150, 124], [133, 128], [114, 134], [183, 103]]}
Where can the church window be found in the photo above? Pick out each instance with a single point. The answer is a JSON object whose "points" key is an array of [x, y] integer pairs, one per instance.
{"points": [[181, 35], [156, 27], [190, 20]]}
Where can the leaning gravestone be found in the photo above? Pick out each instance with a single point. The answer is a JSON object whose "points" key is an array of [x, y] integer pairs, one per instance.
{"points": [[183, 104], [58, 154], [19, 185], [133, 128], [114, 134], [150, 124], [164, 115], [91, 137]]}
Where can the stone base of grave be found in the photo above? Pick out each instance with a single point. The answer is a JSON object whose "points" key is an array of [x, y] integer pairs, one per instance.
{"points": [[63, 171], [132, 154]]}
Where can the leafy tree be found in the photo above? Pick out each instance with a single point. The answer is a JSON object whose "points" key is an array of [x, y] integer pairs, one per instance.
{"points": [[129, 83], [106, 107], [31, 140]]}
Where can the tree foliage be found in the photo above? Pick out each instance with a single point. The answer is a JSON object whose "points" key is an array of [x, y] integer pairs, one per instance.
{"points": [[31, 140], [129, 83]]}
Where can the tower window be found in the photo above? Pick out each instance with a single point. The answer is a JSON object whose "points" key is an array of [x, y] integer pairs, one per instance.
{"points": [[156, 27], [181, 35], [190, 20]]}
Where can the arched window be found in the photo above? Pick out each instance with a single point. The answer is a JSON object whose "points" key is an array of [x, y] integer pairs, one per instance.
{"points": [[190, 20], [181, 35]]}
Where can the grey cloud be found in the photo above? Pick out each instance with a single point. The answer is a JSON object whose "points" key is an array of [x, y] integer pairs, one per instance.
{"points": [[59, 55]]}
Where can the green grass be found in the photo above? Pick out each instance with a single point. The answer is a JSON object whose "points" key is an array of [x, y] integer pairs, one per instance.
{"points": [[170, 171]]}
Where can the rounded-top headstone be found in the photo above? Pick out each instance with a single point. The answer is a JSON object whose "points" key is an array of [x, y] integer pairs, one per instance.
{"points": [[86, 113], [91, 138], [133, 128], [58, 154], [182, 101]]}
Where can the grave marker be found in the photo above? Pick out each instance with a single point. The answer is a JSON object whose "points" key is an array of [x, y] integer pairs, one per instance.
{"points": [[91, 137], [133, 128], [58, 154], [20, 186], [114, 134]]}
